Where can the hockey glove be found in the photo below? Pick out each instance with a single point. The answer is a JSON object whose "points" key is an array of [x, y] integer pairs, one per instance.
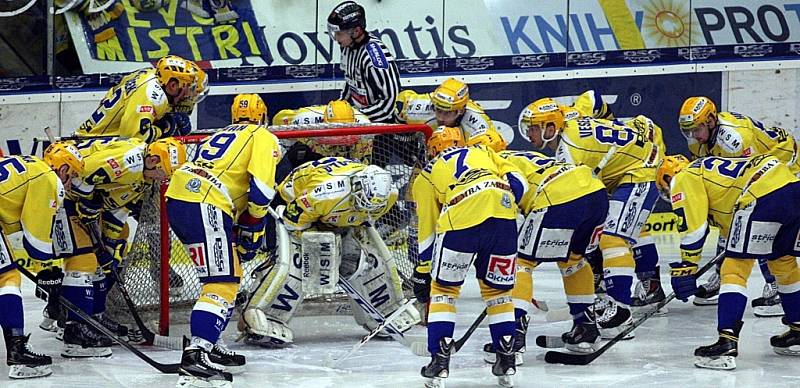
{"points": [[249, 236], [48, 282], [115, 247], [174, 124], [684, 281], [422, 281], [89, 210]]}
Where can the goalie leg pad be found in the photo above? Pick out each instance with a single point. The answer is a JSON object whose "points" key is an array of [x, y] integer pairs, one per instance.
{"points": [[262, 331], [321, 254], [377, 278]]}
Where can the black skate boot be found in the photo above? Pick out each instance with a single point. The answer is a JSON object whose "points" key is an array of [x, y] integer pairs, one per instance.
{"points": [[82, 341], [584, 337], [788, 343], [520, 332], [648, 295], [22, 362], [769, 304], [232, 361], [612, 319], [504, 367], [708, 294], [197, 370], [439, 368], [119, 329], [722, 354]]}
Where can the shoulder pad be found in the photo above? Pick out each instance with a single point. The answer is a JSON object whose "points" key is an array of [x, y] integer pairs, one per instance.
{"points": [[335, 187], [475, 122], [376, 54], [155, 94], [729, 139]]}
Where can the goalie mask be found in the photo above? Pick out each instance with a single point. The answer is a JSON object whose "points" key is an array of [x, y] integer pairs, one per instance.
{"points": [[371, 188]]}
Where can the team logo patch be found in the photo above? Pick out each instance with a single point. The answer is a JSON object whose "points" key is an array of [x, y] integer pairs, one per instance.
{"points": [[193, 185], [501, 270], [305, 202], [376, 54], [145, 109], [114, 167], [747, 151], [677, 197]]}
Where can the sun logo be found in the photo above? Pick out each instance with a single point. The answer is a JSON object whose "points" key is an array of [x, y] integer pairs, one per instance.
{"points": [[667, 23]]}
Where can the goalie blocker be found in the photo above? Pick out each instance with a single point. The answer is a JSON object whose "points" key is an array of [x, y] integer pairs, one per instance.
{"points": [[312, 264]]}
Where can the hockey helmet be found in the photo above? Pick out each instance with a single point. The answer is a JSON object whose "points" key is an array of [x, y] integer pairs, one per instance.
{"points": [[371, 188], [694, 112], [492, 140], [248, 109], [667, 168], [339, 111], [543, 112], [174, 67], [59, 154], [345, 16], [443, 138], [171, 153], [451, 95]]}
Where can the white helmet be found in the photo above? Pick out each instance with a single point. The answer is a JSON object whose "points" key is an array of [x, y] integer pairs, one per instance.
{"points": [[371, 188]]}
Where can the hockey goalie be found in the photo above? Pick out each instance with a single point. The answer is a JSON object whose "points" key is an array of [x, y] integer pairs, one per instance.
{"points": [[326, 232]]}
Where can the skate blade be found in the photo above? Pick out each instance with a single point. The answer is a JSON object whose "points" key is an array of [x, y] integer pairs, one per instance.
{"points": [[768, 311], [436, 382], [719, 363], [706, 301], [196, 382], [77, 351], [613, 332], [584, 347], [490, 358], [234, 369], [790, 351], [60, 334], [49, 325], [29, 372], [505, 381], [639, 312]]}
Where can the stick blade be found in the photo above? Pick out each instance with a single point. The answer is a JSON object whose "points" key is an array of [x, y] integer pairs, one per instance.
{"points": [[552, 357]]}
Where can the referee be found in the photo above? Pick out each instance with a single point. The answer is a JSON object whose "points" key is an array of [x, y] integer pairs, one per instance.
{"points": [[372, 81]]}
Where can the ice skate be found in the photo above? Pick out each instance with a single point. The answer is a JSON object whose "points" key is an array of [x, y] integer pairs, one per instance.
{"points": [[788, 343], [233, 362], [769, 304], [22, 362], [647, 295], [82, 341], [197, 370], [612, 319], [519, 343], [439, 368], [504, 367], [722, 354], [708, 294], [584, 337]]}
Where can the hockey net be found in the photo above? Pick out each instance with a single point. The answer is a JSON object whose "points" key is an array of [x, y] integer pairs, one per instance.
{"points": [[160, 277]]}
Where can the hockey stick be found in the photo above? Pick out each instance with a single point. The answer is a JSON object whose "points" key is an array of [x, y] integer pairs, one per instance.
{"points": [[368, 308], [553, 357], [174, 343], [163, 368], [421, 348], [330, 362]]}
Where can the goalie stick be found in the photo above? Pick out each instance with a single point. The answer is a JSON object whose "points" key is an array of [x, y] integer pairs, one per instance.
{"points": [[163, 368], [174, 343], [553, 357], [421, 348]]}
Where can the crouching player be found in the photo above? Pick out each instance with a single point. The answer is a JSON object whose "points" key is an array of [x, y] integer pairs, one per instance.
{"points": [[564, 211], [332, 204], [466, 205], [91, 231], [31, 191], [751, 200], [226, 189]]}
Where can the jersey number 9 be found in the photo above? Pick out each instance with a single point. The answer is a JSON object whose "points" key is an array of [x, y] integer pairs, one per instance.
{"points": [[216, 146]]}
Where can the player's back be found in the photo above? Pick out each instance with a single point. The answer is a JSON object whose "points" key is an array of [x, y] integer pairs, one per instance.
{"points": [[138, 94], [114, 167], [469, 185], [649, 129], [26, 179], [221, 172], [551, 182], [616, 154], [415, 108], [328, 177]]}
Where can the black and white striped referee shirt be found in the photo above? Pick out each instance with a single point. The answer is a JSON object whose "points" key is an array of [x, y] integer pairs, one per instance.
{"points": [[372, 79]]}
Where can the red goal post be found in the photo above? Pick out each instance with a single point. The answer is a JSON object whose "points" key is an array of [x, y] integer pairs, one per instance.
{"points": [[158, 274]]}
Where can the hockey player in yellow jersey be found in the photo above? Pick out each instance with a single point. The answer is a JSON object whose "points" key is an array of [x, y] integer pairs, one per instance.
{"points": [[467, 208], [752, 201], [588, 104], [196, 96], [139, 105], [730, 134], [448, 105], [90, 232], [227, 189], [248, 109], [564, 211], [337, 111], [624, 160], [31, 191], [332, 206]]}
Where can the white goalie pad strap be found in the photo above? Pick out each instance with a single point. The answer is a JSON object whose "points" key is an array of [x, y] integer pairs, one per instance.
{"points": [[280, 292], [321, 255]]}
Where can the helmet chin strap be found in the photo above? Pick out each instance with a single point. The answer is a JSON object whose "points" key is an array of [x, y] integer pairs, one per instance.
{"points": [[546, 141]]}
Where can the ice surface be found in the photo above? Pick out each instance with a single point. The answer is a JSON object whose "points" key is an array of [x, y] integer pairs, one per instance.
{"points": [[660, 355]]}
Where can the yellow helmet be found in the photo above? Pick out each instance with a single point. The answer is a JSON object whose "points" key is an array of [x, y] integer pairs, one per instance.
{"points": [[443, 138], [669, 166], [201, 89], [170, 151], [61, 153], [339, 111], [174, 67], [248, 108], [542, 112], [696, 111], [451, 95], [492, 140]]}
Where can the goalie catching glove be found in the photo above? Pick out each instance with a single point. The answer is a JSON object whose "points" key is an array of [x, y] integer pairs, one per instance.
{"points": [[422, 281], [684, 281], [249, 236]]}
